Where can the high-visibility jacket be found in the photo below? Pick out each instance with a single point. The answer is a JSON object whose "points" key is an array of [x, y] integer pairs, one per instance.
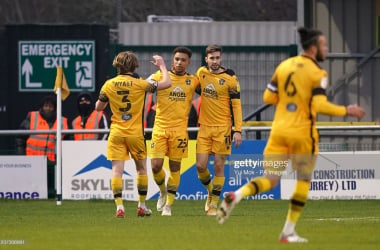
{"points": [[153, 107], [147, 107], [91, 123], [197, 106], [42, 144]]}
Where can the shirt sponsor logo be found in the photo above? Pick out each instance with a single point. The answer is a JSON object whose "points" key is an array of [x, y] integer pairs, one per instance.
{"points": [[291, 107], [178, 94], [209, 91], [126, 117]]}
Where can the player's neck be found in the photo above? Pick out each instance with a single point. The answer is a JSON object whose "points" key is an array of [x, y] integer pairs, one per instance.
{"points": [[308, 54], [218, 71], [178, 73]]}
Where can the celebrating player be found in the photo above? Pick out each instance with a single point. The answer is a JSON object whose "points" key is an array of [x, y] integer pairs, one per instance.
{"points": [[219, 90], [126, 94], [170, 137]]}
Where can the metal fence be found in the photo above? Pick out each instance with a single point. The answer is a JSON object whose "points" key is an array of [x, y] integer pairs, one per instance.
{"points": [[357, 133]]}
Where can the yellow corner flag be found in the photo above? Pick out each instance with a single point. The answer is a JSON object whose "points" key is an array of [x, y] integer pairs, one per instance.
{"points": [[60, 82]]}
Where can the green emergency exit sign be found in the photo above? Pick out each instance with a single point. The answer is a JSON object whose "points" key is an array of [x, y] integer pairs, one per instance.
{"points": [[38, 62]]}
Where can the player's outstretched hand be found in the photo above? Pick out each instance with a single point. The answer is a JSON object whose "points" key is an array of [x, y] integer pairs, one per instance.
{"points": [[355, 110]]}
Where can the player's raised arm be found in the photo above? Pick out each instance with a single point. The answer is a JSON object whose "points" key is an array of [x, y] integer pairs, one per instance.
{"points": [[159, 63]]}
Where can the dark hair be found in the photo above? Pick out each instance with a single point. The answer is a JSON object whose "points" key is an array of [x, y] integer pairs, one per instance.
{"points": [[125, 62], [185, 50], [213, 48], [309, 37], [49, 99]]}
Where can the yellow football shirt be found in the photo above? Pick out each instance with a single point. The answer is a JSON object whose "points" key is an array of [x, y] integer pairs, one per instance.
{"points": [[295, 84], [126, 95], [174, 103], [219, 92]]}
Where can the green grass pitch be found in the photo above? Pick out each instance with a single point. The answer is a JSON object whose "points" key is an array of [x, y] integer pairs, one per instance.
{"points": [[352, 224]]}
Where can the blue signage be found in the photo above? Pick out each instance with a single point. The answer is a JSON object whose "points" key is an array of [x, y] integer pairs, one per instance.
{"points": [[242, 165]]}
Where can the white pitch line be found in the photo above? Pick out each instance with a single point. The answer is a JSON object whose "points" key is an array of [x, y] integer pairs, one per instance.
{"points": [[348, 219]]}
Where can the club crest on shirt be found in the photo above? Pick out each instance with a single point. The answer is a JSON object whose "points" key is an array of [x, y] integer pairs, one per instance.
{"points": [[222, 81], [188, 81]]}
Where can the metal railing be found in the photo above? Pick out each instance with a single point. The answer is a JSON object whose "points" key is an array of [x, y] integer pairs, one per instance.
{"points": [[359, 130], [248, 126], [257, 113], [348, 77]]}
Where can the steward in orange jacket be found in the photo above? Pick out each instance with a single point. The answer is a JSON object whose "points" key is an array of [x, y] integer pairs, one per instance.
{"points": [[89, 118], [43, 119], [193, 117], [42, 144]]}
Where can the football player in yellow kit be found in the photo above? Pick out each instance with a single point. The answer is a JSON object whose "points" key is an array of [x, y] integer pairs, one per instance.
{"points": [[220, 90], [297, 88], [126, 95], [170, 137]]}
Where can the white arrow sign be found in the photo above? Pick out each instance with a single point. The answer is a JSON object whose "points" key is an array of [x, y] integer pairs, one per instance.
{"points": [[27, 69]]}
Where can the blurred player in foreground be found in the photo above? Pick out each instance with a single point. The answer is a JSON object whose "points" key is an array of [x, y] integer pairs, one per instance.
{"points": [[297, 88], [126, 95]]}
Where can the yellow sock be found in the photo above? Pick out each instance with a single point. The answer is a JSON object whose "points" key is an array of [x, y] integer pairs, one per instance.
{"points": [[173, 184], [217, 186], [298, 200], [142, 187], [159, 178], [117, 187], [205, 179], [255, 186]]}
